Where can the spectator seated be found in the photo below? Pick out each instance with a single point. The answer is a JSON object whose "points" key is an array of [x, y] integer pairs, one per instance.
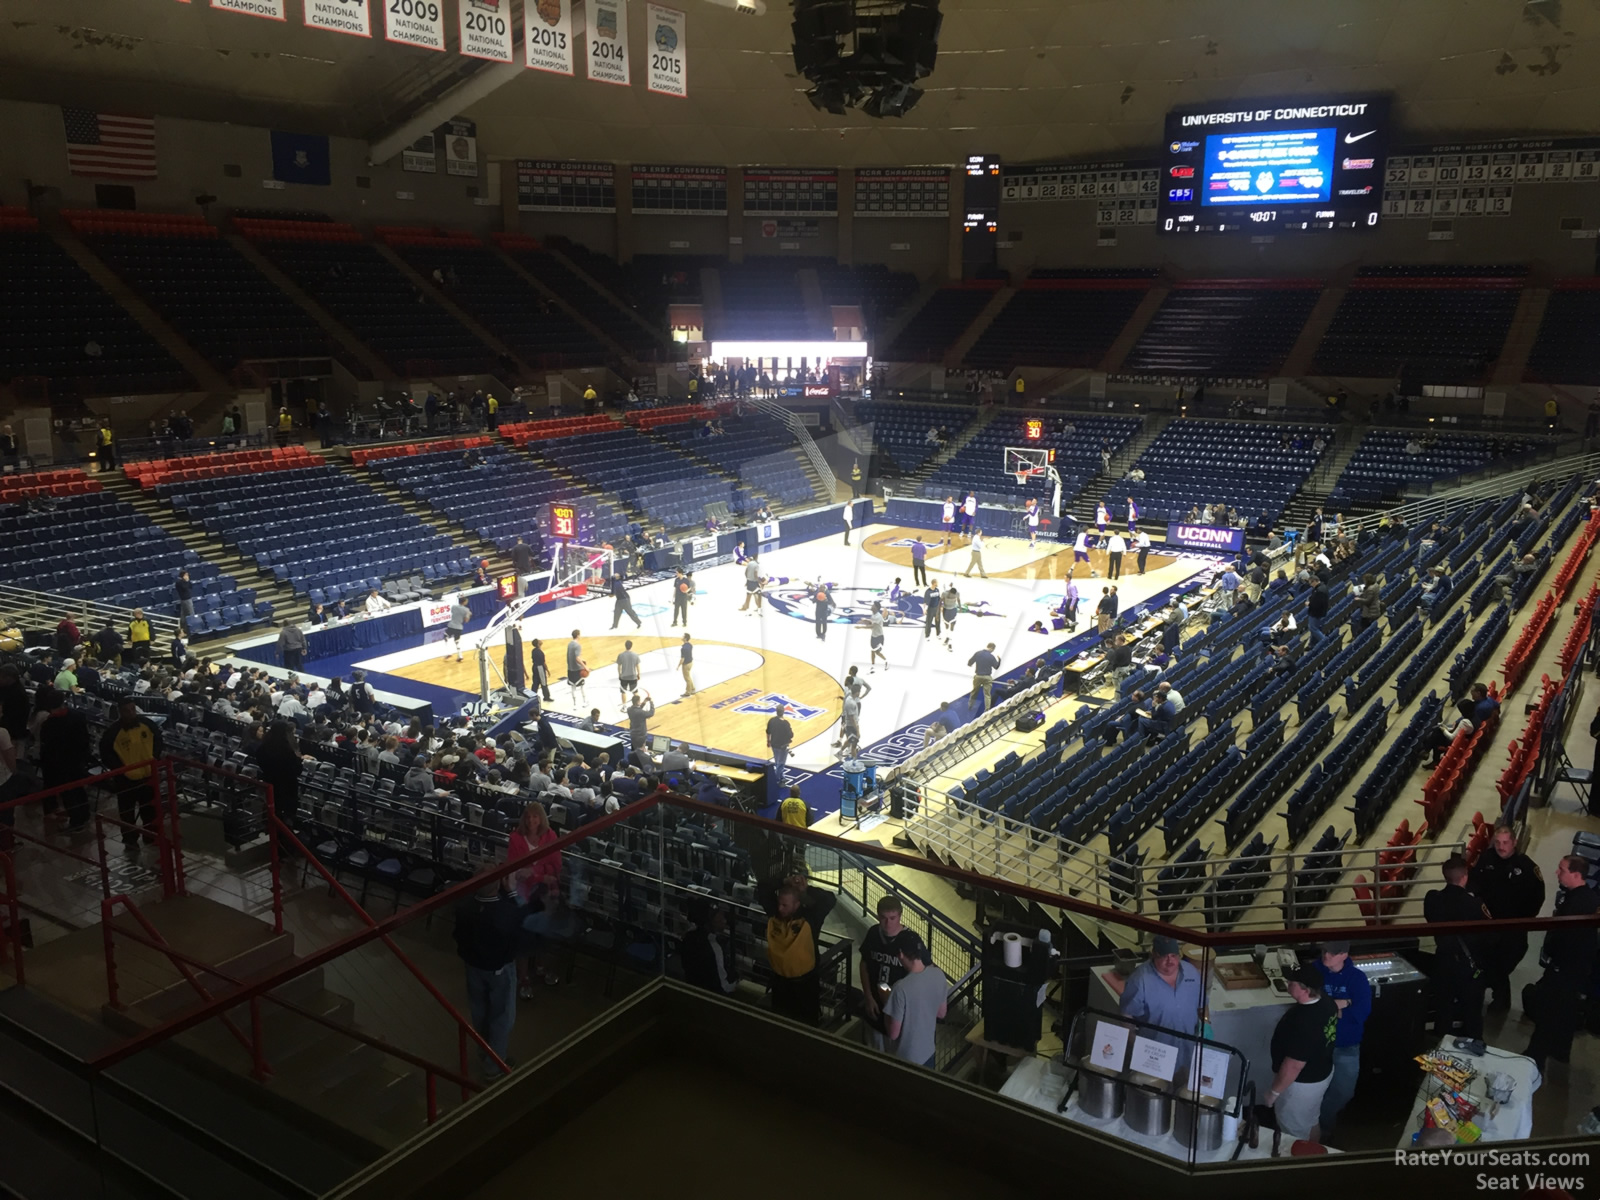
{"points": [[900, 431], [1385, 467], [1252, 467]]}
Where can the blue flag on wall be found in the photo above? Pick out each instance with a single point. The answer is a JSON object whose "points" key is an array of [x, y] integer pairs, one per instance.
{"points": [[300, 158]]}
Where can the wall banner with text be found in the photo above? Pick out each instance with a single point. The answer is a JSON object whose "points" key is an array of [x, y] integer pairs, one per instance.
{"points": [[547, 35], [486, 29], [669, 53], [414, 23], [607, 27], [340, 16]]}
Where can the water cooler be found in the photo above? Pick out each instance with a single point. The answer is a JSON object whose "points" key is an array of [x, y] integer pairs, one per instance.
{"points": [[1017, 962]]}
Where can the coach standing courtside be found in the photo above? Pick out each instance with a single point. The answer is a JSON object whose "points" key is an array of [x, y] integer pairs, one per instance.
{"points": [[780, 736]]}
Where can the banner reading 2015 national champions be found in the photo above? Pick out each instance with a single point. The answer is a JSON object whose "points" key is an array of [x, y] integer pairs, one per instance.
{"points": [[669, 58]]}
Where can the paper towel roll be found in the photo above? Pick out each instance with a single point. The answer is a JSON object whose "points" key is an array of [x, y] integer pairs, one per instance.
{"points": [[1011, 948]]}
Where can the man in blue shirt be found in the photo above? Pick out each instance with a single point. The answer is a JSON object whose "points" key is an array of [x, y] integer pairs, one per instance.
{"points": [[1229, 585], [1165, 991], [1348, 987], [919, 562]]}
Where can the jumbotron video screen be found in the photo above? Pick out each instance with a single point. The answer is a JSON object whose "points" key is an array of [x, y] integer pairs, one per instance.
{"points": [[1247, 166]]}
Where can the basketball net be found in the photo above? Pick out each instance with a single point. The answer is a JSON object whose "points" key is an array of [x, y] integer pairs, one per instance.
{"points": [[1026, 474]]}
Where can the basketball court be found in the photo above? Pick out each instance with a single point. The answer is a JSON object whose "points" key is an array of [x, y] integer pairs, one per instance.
{"points": [[746, 663]]}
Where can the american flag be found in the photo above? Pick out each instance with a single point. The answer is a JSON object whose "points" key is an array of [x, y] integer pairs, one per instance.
{"points": [[107, 144]]}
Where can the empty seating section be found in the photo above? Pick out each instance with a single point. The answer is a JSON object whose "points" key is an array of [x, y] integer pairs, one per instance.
{"points": [[313, 526], [756, 448], [370, 296], [665, 484], [880, 292], [594, 307], [979, 466], [202, 286], [496, 296], [1058, 323], [521, 433], [39, 485], [901, 430], [1253, 468], [505, 498], [1566, 350], [673, 414], [660, 280], [1432, 328], [940, 321], [57, 323], [761, 300], [91, 546], [153, 472], [1234, 328], [1382, 468]]}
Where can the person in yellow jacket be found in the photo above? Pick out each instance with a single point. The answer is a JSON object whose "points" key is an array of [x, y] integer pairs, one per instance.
{"points": [[139, 638], [792, 954], [855, 480], [285, 425], [1021, 386], [106, 447], [494, 412], [130, 742]]}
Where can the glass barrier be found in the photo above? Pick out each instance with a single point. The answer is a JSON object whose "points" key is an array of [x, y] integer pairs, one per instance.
{"points": [[376, 999]]}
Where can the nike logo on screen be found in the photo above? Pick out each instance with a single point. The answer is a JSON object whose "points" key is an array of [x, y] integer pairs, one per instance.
{"points": [[1356, 137]]}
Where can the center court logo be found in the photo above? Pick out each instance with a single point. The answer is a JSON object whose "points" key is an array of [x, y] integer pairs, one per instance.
{"points": [[773, 701]]}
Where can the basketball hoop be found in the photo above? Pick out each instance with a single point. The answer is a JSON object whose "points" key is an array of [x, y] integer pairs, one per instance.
{"points": [[1023, 476]]}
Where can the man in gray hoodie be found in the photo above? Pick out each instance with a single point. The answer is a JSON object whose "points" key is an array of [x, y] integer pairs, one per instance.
{"points": [[639, 714]]}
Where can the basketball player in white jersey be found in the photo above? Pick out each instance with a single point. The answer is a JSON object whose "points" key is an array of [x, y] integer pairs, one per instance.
{"points": [[948, 517], [1080, 550], [969, 514], [1101, 515], [1031, 515]]}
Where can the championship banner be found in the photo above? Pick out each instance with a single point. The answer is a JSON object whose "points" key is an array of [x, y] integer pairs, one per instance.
{"points": [[608, 42], [460, 138], [669, 55], [547, 35], [271, 9], [1206, 537], [340, 16], [486, 29], [414, 23], [422, 156]]}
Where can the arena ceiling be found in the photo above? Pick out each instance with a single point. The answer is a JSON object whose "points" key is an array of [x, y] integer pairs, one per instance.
{"points": [[1029, 80]]}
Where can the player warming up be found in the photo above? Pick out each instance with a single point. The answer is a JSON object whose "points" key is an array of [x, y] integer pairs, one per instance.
{"points": [[948, 517], [1030, 514], [876, 623], [753, 581]]}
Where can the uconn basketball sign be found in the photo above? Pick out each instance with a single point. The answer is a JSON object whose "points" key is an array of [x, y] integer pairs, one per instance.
{"points": [[1206, 537]]}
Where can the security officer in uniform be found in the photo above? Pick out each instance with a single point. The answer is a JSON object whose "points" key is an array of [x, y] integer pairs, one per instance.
{"points": [[1556, 1002], [1511, 888], [1459, 966]]}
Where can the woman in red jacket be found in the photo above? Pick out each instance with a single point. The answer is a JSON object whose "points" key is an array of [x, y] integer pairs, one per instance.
{"points": [[538, 888]]}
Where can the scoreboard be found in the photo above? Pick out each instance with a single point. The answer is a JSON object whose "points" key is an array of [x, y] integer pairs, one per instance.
{"points": [[544, 185], [563, 521]]}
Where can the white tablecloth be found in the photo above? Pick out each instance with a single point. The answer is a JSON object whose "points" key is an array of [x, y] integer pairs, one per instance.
{"points": [[1034, 1082], [1513, 1122]]}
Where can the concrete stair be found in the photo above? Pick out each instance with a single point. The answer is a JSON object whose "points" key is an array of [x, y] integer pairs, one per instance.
{"points": [[428, 515], [660, 335], [963, 345], [210, 548], [353, 346], [437, 295], [207, 377], [1122, 345], [885, 337], [555, 297], [1512, 362], [1305, 346]]}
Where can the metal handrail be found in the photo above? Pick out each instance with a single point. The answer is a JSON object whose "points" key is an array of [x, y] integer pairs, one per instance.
{"points": [[1433, 507], [1360, 933], [19, 602], [807, 444]]}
